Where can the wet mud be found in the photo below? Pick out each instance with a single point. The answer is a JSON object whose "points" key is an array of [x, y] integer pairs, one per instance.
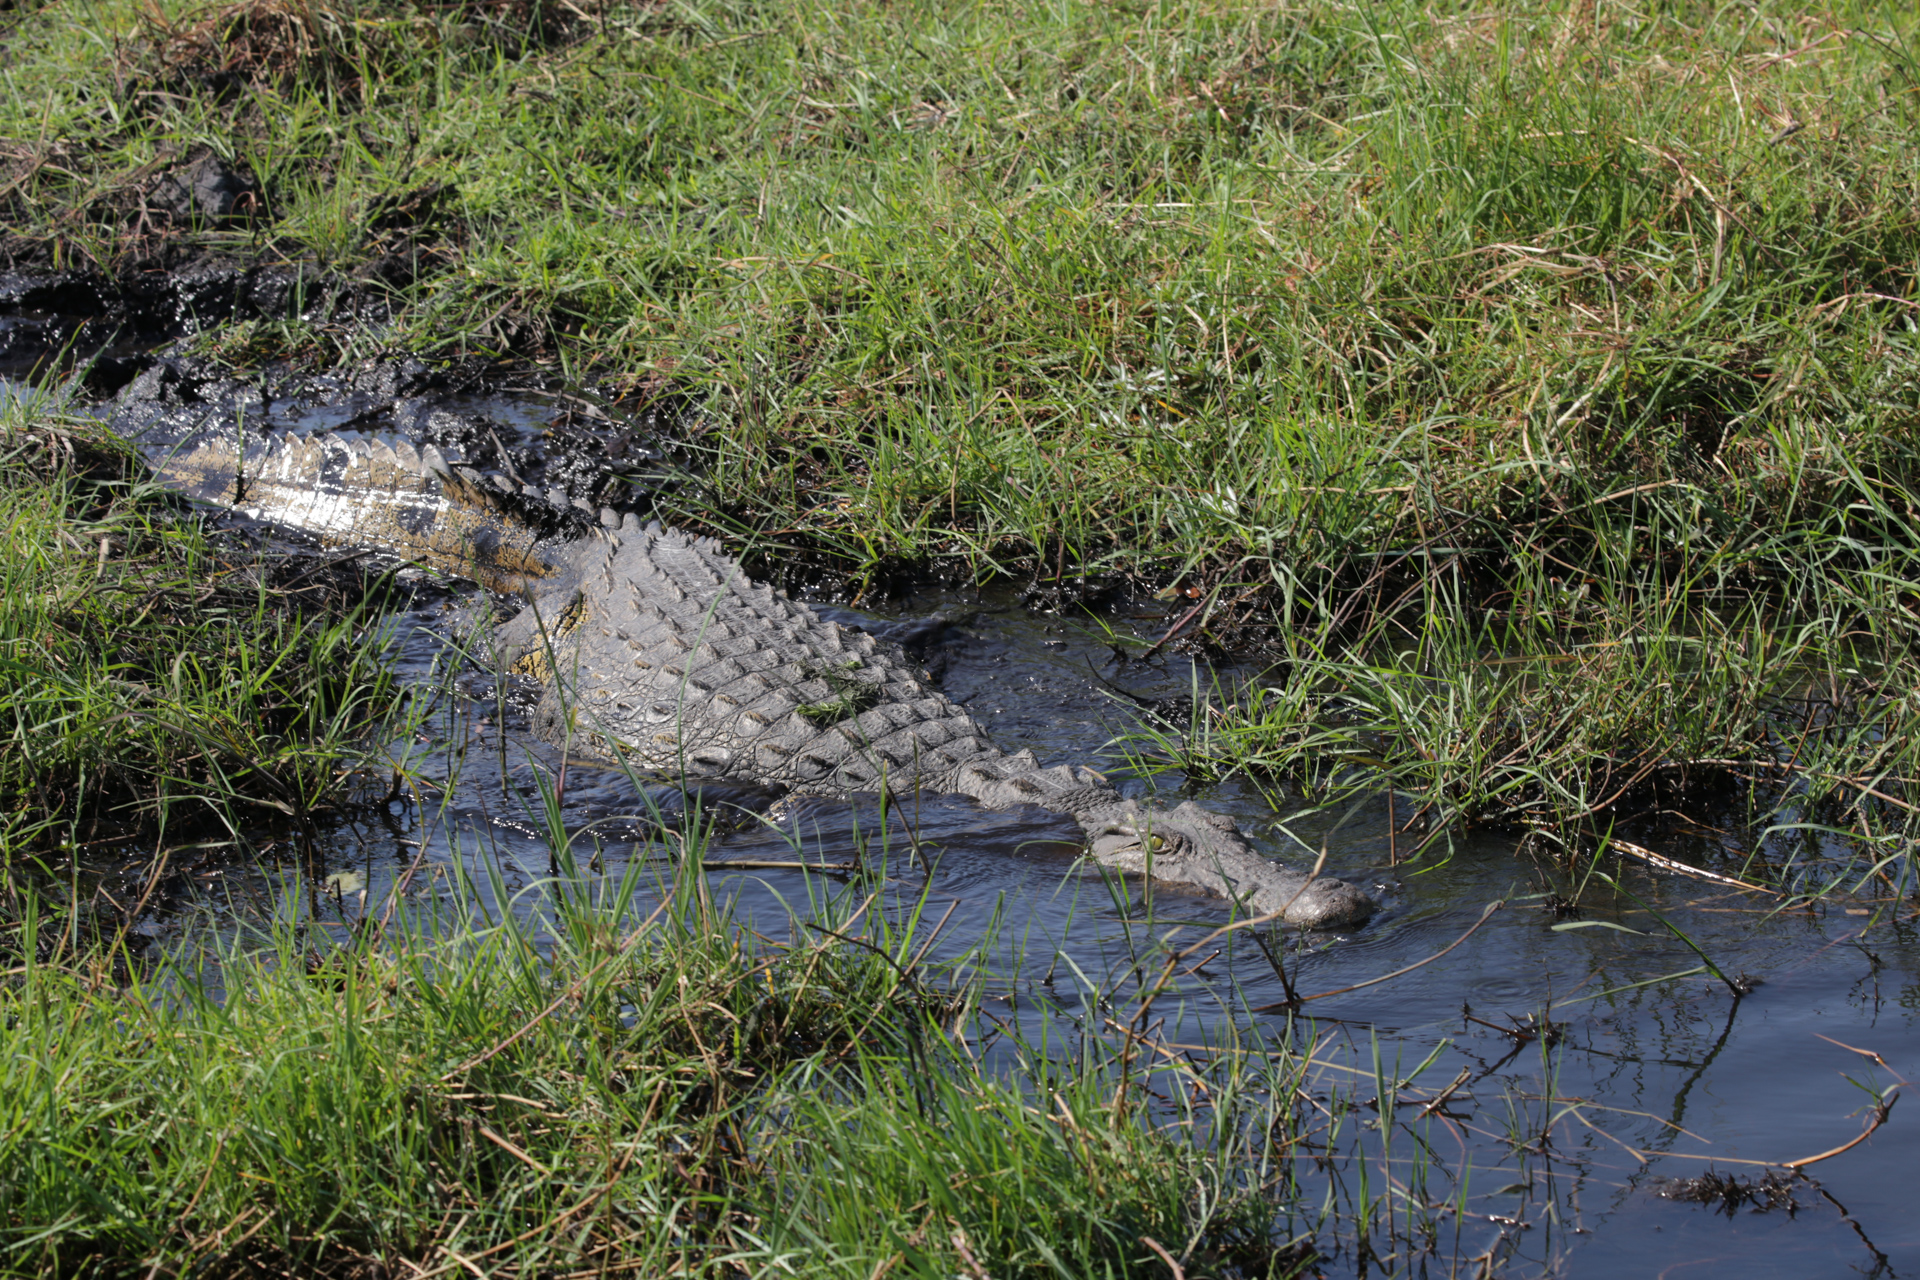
{"points": [[106, 321], [188, 261]]}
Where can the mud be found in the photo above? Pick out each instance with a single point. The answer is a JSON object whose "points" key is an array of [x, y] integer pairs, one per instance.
{"points": [[189, 258], [107, 321]]}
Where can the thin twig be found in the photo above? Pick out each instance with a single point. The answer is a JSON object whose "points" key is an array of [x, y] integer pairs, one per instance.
{"points": [[769, 864], [1653, 859], [1179, 1272], [514, 1151], [1881, 1111]]}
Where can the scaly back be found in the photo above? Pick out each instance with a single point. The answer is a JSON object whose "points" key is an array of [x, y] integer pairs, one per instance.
{"points": [[656, 645]]}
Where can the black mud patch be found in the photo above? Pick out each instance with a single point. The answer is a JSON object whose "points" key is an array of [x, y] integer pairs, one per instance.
{"points": [[107, 320]]}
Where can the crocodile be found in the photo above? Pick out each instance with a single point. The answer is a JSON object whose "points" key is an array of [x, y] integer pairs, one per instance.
{"points": [[653, 647]]}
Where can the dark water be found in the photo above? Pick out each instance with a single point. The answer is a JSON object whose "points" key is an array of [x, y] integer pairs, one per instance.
{"points": [[1554, 1154], [1557, 1155]]}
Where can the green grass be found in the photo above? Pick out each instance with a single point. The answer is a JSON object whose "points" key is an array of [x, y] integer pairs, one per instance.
{"points": [[1022, 1187], [1781, 755], [612, 1087], [153, 679], [1256, 294]]}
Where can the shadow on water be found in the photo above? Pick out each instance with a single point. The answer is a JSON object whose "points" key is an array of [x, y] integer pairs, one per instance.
{"points": [[1566, 1096]]}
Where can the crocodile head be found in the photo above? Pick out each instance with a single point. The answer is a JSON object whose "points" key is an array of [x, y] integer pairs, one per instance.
{"points": [[1193, 846]]}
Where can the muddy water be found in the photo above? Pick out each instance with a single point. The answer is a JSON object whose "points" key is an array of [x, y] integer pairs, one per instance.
{"points": [[1559, 1154]]}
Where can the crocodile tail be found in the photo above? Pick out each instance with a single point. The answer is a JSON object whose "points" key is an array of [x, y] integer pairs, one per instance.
{"points": [[419, 505]]}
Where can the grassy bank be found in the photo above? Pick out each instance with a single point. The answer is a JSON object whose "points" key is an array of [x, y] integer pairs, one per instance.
{"points": [[1268, 296], [641, 1087], [160, 685], [1745, 752]]}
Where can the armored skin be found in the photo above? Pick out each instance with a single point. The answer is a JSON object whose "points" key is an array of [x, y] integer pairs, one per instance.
{"points": [[654, 646]]}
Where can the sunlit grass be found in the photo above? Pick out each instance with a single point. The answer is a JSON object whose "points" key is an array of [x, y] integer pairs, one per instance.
{"points": [[630, 1078], [1256, 295]]}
